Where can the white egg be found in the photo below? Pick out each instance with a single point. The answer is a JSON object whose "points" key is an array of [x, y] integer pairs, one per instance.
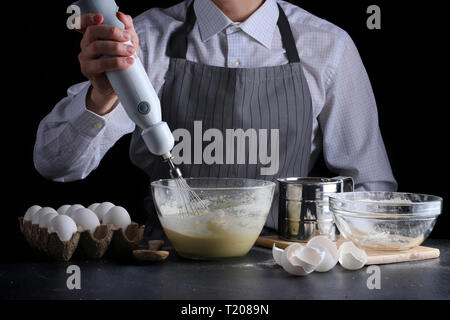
{"points": [[73, 208], [93, 206], [31, 212], [300, 260], [44, 220], [86, 219], [322, 243], [102, 209], [277, 253], [351, 257], [41, 212], [117, 216], [64, 226], [63, 209]]}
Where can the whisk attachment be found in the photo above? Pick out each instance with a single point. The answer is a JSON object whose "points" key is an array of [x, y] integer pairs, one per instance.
{"points": [[190, 202]]}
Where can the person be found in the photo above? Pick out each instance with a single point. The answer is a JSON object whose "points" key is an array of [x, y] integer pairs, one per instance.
{"points": [[250, 66]]}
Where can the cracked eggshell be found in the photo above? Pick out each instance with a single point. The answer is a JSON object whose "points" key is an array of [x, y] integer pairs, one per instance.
{"points": [[45, 220], [102, 209], [31, 212], [277, 253], [117, 216], [351, 257], [86, 219], [322, 243], [43, 211], [63, 209], [150, 255], [64, 226], [300, 260]]}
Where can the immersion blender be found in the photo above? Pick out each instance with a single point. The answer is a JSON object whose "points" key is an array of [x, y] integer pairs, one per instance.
{"points": [[135, 91]]}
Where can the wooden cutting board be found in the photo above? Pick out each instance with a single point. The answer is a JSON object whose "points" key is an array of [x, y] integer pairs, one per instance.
{"points": [[373, 257]]}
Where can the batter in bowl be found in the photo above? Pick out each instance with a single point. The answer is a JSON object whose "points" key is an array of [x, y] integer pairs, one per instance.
{"points": [[223, 232]]}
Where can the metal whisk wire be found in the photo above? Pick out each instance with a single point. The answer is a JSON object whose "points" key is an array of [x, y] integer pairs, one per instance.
{"points": [[191, 203]]}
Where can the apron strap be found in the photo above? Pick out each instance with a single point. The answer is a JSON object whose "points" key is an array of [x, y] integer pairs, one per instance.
{"points": [[287, 37], [178, 42]]}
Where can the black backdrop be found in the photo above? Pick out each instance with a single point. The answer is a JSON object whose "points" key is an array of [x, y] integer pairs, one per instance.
{"points": [[404, 61]]}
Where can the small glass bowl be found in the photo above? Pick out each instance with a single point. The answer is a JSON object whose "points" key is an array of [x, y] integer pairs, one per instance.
{"points": [[385, 221]]}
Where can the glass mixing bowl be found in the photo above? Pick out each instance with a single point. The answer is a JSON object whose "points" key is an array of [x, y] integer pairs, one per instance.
{"points": [[385, 220], [235, 211]]}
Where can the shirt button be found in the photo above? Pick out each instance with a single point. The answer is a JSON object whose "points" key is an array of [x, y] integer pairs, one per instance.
{"points": [[234, 29], [235, 63], [97, 125]]}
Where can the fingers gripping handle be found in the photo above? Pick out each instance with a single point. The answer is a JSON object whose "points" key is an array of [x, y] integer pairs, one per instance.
{"points": [[107, 8], [133, 87]]}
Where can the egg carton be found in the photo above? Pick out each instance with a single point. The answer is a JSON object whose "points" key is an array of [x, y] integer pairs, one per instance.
{"points": [[106, 238]]}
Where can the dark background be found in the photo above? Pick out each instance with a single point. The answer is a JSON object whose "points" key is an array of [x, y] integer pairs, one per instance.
{"points": [[404, 61]]}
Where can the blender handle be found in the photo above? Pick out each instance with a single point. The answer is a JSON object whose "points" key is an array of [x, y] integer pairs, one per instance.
{"points": [[134, 89], [348, 184]]}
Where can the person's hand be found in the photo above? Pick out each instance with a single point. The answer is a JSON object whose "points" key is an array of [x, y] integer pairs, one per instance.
{"points": [[101, 40]]}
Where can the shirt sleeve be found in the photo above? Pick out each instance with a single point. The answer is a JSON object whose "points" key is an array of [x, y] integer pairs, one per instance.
{"points": [[352, 141], [71, 140]]}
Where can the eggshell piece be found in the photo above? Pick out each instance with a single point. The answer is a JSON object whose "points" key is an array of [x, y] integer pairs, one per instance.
{"points": [[351, 257], [102, 209], [322, 243], [309, 257], [63, 209], [64, 226], [150, 255], [155, 245], [117, 216], [43, 211], [45, 220], [300, 260], [86, 219], [277, 253], [31, 212], [73, 208]]}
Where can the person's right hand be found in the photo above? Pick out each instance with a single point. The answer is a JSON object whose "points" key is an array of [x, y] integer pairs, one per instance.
{"points": [[101, 40]]}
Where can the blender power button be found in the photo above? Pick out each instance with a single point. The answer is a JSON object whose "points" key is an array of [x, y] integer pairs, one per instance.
{"points": [[144, 107]]}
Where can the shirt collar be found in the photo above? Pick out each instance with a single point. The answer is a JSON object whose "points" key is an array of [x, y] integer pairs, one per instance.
{"points": [[260, 25]]}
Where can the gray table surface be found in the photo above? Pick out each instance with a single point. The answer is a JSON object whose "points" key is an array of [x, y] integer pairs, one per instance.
{"points": [[254, 277]]}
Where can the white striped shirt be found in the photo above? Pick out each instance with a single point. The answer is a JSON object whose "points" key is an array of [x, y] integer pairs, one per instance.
{"points": [[71, 140]]}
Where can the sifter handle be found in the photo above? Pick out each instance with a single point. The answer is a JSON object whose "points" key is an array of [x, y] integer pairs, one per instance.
{"points": [[348, 184]]}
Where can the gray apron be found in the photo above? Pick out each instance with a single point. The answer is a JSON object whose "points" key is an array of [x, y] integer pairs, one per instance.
{"points": [[231, 98]]}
